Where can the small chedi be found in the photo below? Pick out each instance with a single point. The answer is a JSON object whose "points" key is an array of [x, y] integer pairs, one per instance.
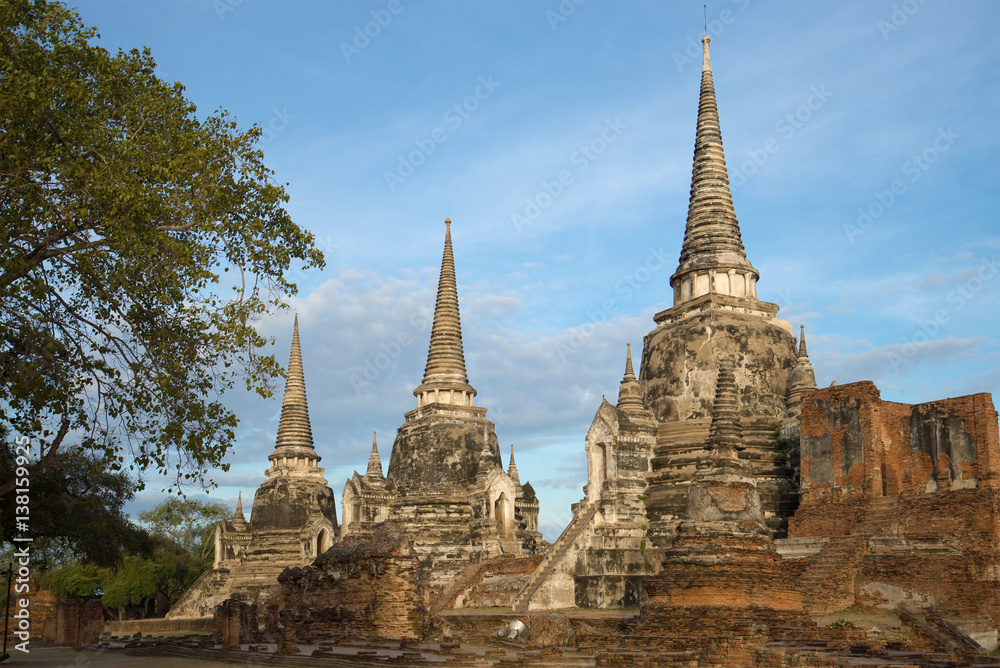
{"points": [[294, 516], [601, 558]]}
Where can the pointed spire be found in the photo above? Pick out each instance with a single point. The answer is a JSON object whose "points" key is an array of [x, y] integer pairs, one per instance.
{"points": [[374, 473], [294, 453], [712, 257], [294, 428], [803, 379], [512, 470], [723, 487], [629, 392], [239, 519], [487, 460], [726, 435], [445, 379]]}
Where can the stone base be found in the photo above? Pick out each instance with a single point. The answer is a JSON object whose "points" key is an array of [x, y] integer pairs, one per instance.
{"points": [[679, 448], [722, 565]]}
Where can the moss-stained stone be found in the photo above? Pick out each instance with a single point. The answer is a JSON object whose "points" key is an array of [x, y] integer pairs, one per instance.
{"points": [[440, 452], [679, 364]]}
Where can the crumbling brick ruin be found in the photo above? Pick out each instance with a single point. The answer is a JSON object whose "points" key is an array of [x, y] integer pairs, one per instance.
{"points": [[900, 503], [361, 587]]}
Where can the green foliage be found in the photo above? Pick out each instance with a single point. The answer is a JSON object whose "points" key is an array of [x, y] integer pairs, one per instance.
{"points": [[642, 497], [134, 580], [75, 580], [840, 624], [77, 511], [176, 553], [781, 444], [187, 522], [122, 214], [642, 544]]}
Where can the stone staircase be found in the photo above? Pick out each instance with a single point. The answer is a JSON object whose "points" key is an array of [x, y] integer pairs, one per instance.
{"points": [[460, 583], [582, 520], [829, 581], [959, 640], [510, 546]]}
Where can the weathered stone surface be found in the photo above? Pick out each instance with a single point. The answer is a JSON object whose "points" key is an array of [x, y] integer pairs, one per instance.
{"points": [[440, 451], [678, 363], [357, 588], [282, 504]]}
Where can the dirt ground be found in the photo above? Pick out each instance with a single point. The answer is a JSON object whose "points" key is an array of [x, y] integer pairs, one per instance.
{"points": [[66, 658]]}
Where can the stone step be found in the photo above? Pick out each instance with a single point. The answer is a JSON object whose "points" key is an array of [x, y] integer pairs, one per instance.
{"points": [[564, 542]]}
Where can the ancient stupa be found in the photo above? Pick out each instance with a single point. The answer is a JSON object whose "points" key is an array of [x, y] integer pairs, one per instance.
{"points": [[294, 516], [715, 313], [445, 483]]}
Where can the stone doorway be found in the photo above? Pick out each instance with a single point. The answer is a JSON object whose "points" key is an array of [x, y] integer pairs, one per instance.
{"points": [[322, 542], [598, 470]]}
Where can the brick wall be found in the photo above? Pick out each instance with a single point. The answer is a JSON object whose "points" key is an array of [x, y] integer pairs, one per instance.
{"points": [[854, 445], [908, 495], [358, 588]]}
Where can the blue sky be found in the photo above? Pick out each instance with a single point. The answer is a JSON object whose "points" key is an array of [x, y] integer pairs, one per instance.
{"points": [[862, 140]]}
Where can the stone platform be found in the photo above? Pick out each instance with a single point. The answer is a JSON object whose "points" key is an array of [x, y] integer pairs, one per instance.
{"points": [[574, 638]]}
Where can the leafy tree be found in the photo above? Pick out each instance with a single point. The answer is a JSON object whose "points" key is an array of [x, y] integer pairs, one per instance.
{"points": [[177, 551], [187, 522], [184, 530], [76, 511], [134, 581], [75, 580], [121, 212], [181, 568]]}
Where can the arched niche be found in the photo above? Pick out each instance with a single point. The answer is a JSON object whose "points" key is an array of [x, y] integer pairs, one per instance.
{"points": [[503, 511]]}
